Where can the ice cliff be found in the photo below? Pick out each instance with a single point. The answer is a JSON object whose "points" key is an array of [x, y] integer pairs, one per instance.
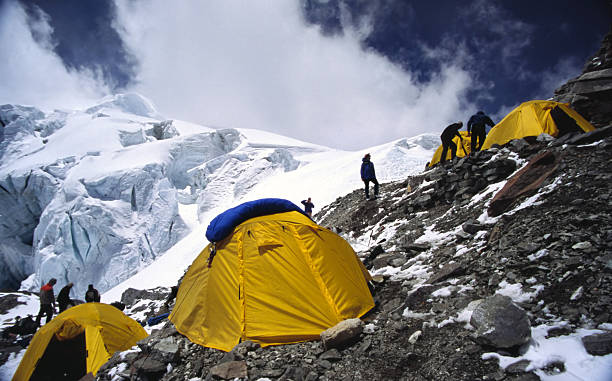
{"points": [[93, 196]]}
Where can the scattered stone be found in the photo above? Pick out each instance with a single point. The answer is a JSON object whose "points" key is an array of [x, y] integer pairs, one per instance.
{"points": [[585, 245], [331, 355], [518, 367], [229, 370], [149, 366], [472, 226], [414, 337], [448, 270]]}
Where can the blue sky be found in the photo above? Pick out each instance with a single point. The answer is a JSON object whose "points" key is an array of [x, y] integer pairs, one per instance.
{"points": [[347, 74]]}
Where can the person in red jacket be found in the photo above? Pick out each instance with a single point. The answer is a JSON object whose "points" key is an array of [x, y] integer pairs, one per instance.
{"points": [[47, 302]]}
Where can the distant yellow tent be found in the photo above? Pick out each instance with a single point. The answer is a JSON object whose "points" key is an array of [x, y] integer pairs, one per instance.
{"points": [[78, 341], [534, 118], [276, 279], [461, 152]]}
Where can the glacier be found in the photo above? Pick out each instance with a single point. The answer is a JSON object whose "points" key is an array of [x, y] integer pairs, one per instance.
{"points": [[95, 195]]}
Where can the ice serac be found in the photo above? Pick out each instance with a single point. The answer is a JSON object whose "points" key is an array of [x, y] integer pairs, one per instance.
{"points": [[85, 210], [130, 103], [93, 196], [117, 224], [230, 176], [23, 198]]}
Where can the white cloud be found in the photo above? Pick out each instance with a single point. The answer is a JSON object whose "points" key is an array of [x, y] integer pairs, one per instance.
{"points": [[31, 73], [257, 64]]}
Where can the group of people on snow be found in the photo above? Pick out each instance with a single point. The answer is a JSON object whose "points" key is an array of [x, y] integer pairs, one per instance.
{"points": [[48, 301]]}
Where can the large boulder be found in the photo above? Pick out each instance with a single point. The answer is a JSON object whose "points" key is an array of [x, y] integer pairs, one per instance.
{"points": [[500, 323], [343, 333]]}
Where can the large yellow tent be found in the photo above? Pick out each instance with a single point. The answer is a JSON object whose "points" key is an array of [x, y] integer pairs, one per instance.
{"points": [[461, 152], [534, 118], [275, 279], [78, 341]]}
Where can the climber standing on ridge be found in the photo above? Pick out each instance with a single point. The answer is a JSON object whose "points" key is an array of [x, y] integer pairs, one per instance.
{"points": [[368, 174], [63, 298], [447, 140], [47, 302], [92, 295], [308, 205], [477, 126]]}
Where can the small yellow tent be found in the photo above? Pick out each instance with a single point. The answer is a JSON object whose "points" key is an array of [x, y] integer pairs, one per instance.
{"points": [[461, 152], [275, 279], [534, 118], [78, 341]]}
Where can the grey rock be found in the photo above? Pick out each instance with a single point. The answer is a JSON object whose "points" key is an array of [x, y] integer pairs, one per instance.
{"points": [[149, 365], [331, 355], [229, 370], [518, 367], [597, 74], [325, 364], [472, 226], [500, 323], [448, 270], [294, 373], [585, 245], [166, 350], [343, 333], [599, 344]]}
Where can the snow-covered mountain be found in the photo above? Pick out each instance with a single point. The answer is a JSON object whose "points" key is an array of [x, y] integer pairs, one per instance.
{"points": [[95, 195]]}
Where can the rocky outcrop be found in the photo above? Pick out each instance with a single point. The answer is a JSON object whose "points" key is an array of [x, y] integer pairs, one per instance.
{"points": [[528, 179], [591, 93]]}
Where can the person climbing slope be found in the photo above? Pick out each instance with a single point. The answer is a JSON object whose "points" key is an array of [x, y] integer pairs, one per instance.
{"points": [[477, 126], [447, 140]]}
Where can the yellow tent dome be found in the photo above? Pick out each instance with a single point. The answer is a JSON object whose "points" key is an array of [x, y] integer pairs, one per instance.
{"points": [[276, 279], [534, 118], [78, 341]]}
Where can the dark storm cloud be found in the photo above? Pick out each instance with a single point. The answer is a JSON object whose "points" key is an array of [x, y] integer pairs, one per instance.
{"points": [[84, 37]]}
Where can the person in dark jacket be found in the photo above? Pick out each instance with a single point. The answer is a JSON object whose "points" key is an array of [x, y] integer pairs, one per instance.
{"points": [[47, 301], [368, 174], [63, 298], [308, 205], [92, 295], [447, 140], [477, 126]]}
